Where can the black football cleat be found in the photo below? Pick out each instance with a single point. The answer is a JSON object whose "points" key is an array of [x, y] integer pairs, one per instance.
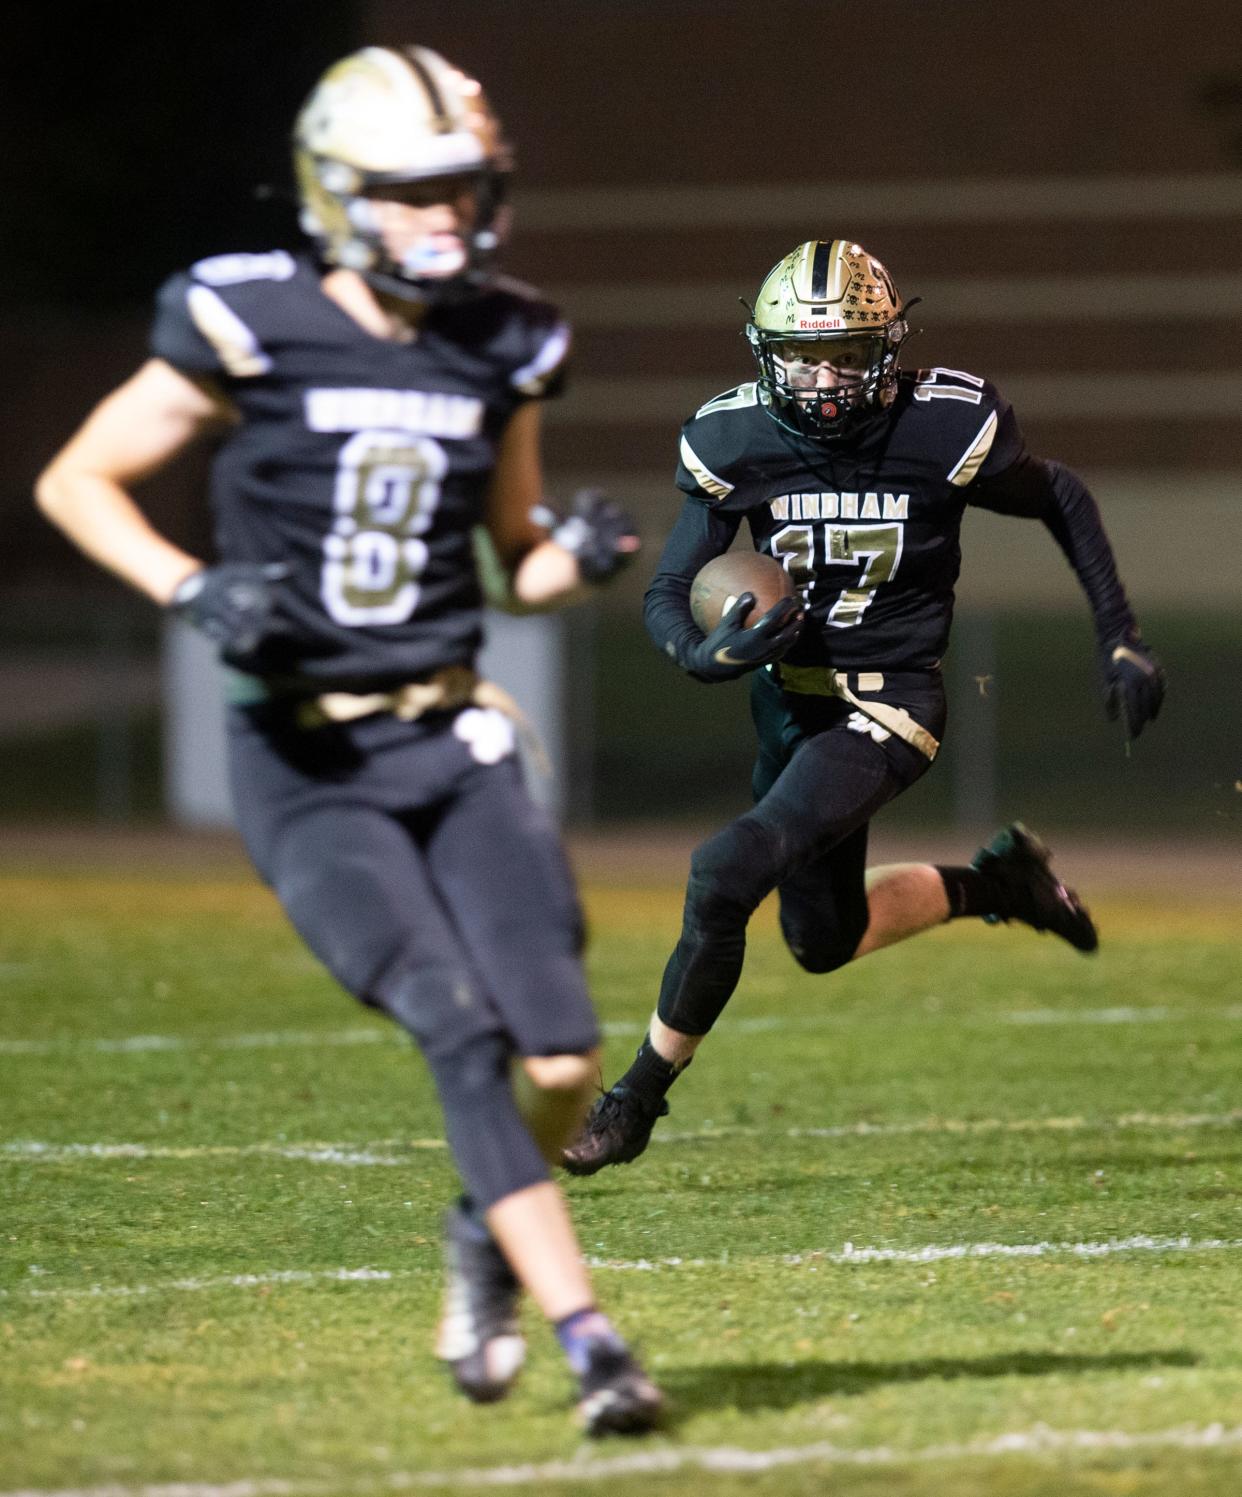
{"points": [[1017, 863], [617, 1130], [478, 1336], [617, 1397]]}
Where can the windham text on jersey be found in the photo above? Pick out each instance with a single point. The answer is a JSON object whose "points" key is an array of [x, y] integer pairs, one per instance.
{"points": [[845, 506], [433, 413]]}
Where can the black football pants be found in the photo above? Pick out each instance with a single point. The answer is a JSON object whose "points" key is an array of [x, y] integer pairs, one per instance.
{"points": [[433, 888], [822, 773]]}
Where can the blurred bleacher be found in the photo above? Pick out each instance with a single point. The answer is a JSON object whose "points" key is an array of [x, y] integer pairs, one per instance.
{"points": [[1061, 185]]}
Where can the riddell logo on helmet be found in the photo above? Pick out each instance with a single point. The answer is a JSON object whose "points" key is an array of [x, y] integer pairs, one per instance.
{"points": [[813, 324]]}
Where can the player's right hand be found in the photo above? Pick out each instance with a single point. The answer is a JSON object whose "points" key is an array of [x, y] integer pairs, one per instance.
{"points": [[731, 649], [234, 603]]}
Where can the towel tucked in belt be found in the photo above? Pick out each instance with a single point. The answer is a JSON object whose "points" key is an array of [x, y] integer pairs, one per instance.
{"points": [[823, 681], [445, 690]]}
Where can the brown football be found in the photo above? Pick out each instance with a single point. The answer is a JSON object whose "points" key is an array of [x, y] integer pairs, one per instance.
{"points": [[727, 577]]}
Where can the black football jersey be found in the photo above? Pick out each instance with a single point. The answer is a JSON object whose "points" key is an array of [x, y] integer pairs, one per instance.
{"points": [[359, 462], [869, 528]]}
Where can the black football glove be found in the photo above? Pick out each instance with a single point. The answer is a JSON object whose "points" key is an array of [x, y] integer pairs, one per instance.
{"points": [[597, 532], [234, 604], [731, 649], [1134, 682]]}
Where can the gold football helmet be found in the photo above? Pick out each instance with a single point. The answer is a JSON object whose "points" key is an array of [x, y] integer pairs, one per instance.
{"points": [[826, 330], [388, 116]]}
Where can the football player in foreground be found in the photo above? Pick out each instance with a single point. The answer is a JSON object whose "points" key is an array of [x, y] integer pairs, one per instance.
{"points": [[373, 403], [855, 476]]}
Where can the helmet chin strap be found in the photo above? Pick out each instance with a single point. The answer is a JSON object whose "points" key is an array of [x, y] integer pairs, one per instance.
{"points": [[425, 275], [427, 291], [418, 269]]}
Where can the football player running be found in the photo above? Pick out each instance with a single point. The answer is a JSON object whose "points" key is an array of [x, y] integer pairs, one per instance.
{"points": [[854, 475], [373, 402]]}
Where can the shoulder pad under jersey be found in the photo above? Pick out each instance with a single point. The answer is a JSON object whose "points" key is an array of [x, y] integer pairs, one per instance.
{"points": [[963, 420], [714, 441], [510, 324], [205, 318]]}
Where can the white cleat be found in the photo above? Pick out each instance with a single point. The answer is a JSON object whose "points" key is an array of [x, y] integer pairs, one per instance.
{"points": [[479, 1336]]}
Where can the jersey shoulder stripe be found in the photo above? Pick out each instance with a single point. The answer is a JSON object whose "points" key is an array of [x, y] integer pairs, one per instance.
{"points": [[711, 483], [537, 376], [520, 334], [964, 470], [235, 344], [958, 422], [731, 400], [216, 317]]}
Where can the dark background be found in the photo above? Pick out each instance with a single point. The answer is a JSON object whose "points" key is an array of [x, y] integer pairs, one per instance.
{"points": [[136, 141]]}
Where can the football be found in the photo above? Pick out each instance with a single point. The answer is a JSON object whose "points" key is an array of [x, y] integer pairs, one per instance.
{"points": [[726, 577]]}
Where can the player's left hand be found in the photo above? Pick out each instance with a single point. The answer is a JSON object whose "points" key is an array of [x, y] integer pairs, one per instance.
{"points": [[598, 533], [1134, 682]]}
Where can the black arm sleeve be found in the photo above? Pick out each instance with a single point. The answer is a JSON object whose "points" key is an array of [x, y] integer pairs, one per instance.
{"points": [[699, 534], [1047, 491]]}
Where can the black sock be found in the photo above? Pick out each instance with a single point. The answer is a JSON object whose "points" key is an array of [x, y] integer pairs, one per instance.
{"points": [[650, 1075], [969, 892]]}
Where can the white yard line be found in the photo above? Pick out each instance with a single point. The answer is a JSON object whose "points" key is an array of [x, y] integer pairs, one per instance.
{"points": [[936, 1253], [339, 1154], [1123, 1014], [218, 1281], [140, 1044], [665, 1458], [365, 1155], [849, 1256], [1139, 1243], [1173, 1121]]}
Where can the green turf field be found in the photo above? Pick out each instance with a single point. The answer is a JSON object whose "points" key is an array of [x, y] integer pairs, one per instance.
{"points": [[962, 1219]]}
